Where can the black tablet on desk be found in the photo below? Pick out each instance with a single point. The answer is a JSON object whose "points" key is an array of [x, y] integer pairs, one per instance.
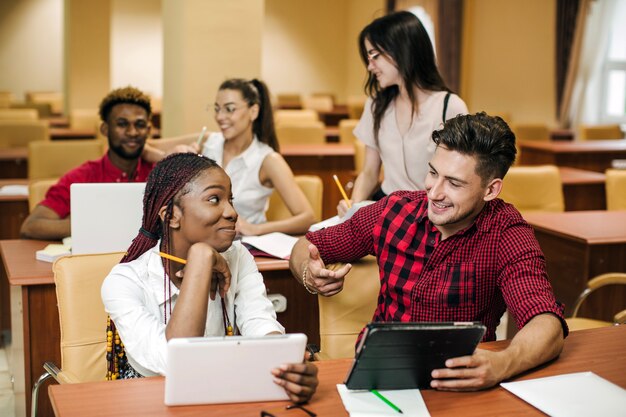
{"points": [[395, 355]]}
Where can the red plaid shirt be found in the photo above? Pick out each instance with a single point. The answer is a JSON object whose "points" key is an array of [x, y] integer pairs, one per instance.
{"points": [[474, 275]]}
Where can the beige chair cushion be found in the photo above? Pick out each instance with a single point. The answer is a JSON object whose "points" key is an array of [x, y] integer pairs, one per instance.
{"points": [[309, 133], [346, 127], [531, 131], [355, 106], [313, 189], [534, 188], [37, 191], [18, 114], [289, 101], [78, 279], [615, 189], [18, 133], [47, 159]]}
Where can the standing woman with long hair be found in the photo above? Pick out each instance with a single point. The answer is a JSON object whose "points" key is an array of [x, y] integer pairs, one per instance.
{"points": [[408, 100]]}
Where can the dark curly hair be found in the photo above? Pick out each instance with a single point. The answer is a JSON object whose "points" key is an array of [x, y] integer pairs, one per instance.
{"points": [[126, 95]]}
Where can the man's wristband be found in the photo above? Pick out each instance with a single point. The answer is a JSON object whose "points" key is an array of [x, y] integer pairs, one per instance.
{"points": [[304, 271]]}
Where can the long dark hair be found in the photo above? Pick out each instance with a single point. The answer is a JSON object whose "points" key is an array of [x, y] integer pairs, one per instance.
{"points": [[402, 37], [256, 92]]}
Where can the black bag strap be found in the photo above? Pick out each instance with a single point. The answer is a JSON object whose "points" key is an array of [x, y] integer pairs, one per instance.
{"points": [[445, 106]]}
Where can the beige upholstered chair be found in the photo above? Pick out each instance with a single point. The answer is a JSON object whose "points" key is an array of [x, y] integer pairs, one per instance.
{"points": [[580, 323], [534, 188], [343, 316], [18, 133], [295, 116], [313, 189], [346, 126], [47, 159], [321, 103], [18, 114], [6, 98], [82, 318], [37, 191], [531, 131], [615, 189], [355, 106], [44, 110], [359, 156], [593, 132], [84, 119], [54, 98], [304, 133], [289, 101]]}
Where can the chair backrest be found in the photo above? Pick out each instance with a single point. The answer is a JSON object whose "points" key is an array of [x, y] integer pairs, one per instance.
{"points": [[343, 316], [359, 156], [18, 114], [318, 103], [166, 144], [44, 110], [531, 131], [295, 116], [289, 101], [534, 188], [615, 189], [594, 132], [346, 126], [18, 133], [355, 106], [309, 133], [6, 98], [54, 98], [312, 187], [37, 191], [87, 119], [47, 159], [82, 318]]}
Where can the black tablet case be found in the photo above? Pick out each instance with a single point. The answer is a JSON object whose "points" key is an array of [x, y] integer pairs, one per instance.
{"points": [[402, 355]]}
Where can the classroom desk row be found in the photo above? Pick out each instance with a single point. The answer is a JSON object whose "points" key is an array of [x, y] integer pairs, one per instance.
{"points": [[40, 321], [599, 350]]}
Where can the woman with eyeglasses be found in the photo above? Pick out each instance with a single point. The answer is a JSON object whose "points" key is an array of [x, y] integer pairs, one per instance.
{"points": [[408, 100]]}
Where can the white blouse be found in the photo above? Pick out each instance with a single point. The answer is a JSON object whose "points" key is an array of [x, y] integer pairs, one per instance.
{"points": [[251, 198], [134, 297], [405, 158]]}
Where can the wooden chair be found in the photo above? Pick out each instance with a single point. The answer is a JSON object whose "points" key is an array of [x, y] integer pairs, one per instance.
{"points": [[295, 116], [313, 189], [343, 316], [531, 131], [615, 189], [581, 323], [599, 132], [18, 133], [37, 191], [18, 114], [534, 188], [82, 318], [47, 159], [346, 127], [304, 133]]}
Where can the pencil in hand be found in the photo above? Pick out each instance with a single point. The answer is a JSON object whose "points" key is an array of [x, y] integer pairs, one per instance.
{"points": [[343, 192]]}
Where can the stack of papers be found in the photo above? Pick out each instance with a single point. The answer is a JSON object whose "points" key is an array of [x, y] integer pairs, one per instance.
{"points": [[365, 404], [52, 252], [275, 244], [579, 394]]}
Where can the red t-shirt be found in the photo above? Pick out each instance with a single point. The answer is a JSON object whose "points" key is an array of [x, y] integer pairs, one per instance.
{"points": [[101, 170]]}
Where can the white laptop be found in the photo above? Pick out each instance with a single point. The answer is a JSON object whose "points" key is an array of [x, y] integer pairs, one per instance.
{"points": [[209, 370], [106, 217]]}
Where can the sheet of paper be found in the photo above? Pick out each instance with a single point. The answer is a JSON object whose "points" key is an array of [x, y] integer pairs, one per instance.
{"points": [[276, 244], [14, 190], [365, 404], [572, 395], [335, 220]]}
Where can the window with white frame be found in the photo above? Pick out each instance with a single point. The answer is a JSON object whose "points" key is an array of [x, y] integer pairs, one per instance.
{"points": [[613, 105]]}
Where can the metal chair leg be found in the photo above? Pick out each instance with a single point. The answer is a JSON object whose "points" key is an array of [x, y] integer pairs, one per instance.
{"points": [[51, 370]]}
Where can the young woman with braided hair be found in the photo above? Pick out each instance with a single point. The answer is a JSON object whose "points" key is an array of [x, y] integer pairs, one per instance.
{"points": [[188, 214]]}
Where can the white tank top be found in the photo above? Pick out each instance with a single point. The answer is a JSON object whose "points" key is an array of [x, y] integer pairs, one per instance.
{"points": [[250, 196]]}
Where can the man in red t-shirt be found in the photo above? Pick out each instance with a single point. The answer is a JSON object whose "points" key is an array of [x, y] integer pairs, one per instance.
{"points": [[125, 114]]}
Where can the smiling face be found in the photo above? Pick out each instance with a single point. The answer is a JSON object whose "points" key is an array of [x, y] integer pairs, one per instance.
{"points": [[127, 129], [382, 66], [456, 193], [204, 212], [233, 114]]}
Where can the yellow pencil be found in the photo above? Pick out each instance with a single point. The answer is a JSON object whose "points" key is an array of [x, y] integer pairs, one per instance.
{"points": [[172, 258], [343, 192]]}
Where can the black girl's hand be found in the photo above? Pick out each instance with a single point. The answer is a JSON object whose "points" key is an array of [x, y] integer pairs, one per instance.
{"points": [[298, 379], [206, 258]]}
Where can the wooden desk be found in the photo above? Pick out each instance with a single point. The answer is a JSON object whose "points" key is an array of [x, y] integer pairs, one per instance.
{"points": [[41, 320], [13, 163], [323, 161], [583, 190], [579, 245], [334, 116], [594, 155], [599, 350]]}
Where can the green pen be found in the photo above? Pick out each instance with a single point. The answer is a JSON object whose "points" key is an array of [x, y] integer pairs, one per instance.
{"points": [[386, 401]]}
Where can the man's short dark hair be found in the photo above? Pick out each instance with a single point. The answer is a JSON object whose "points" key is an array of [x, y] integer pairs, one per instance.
{"points": [[126, 95], [488, 138]]}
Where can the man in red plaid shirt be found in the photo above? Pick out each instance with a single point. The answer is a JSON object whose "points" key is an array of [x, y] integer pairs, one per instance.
{"points": [[454, 252]]}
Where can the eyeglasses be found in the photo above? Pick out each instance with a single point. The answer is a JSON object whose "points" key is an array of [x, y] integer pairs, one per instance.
{"points": [[373, 56], [289, 407]]}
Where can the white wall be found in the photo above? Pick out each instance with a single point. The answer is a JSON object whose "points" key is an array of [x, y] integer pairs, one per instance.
{"points": [[31, 46], [137, 45]]}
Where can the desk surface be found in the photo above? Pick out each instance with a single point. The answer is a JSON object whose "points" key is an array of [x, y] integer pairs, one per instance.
{"points": [[591, 227], [23, 269], [598, 350], [322, 149], [575, 146], [575, 176]]}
